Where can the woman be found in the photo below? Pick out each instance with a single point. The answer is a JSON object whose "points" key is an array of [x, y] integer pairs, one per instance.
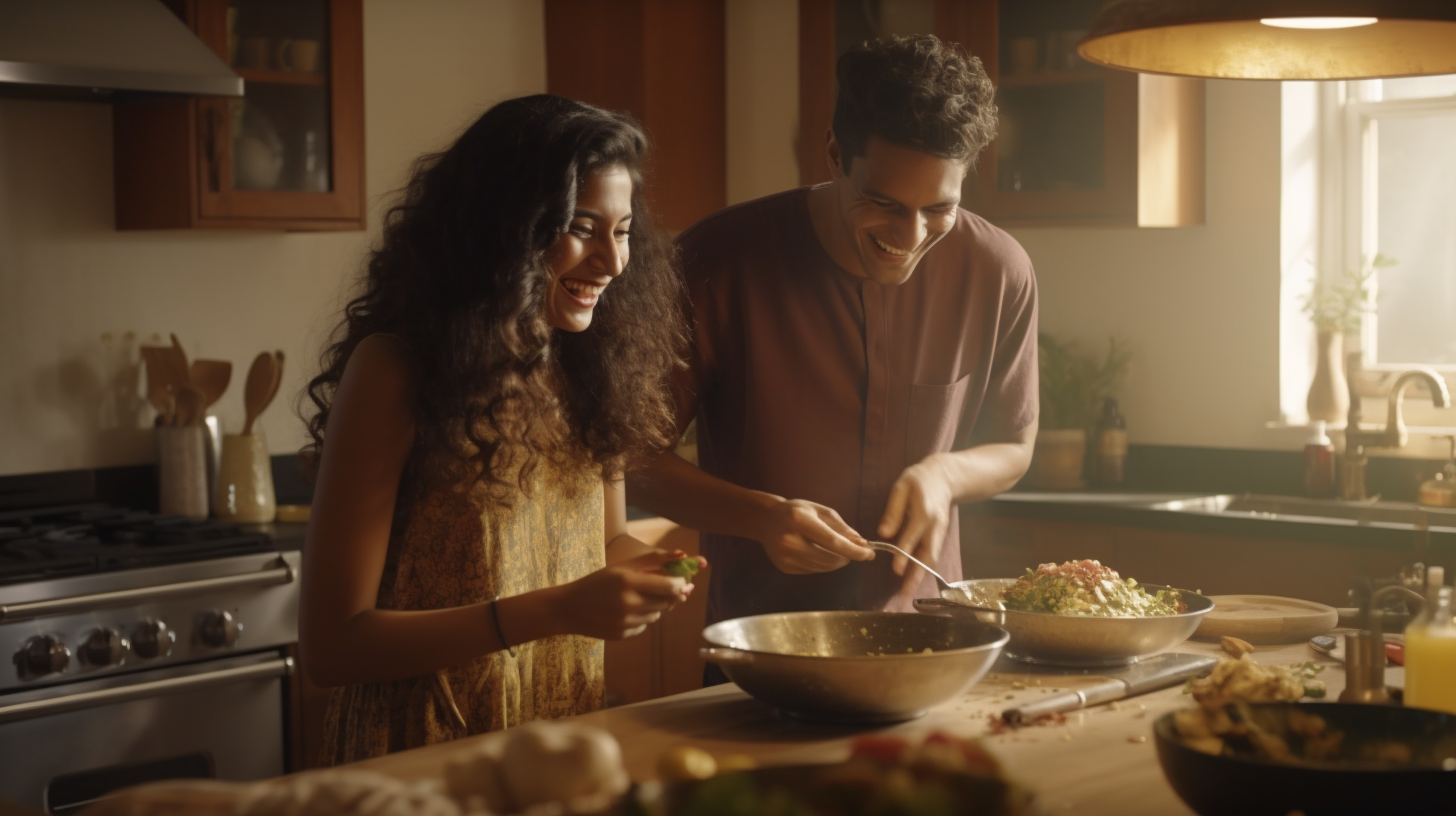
{"points": [[505, 364]]}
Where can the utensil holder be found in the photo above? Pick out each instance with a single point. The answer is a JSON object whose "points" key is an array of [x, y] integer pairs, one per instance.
{"points": [[182, 471], [244, 489]]}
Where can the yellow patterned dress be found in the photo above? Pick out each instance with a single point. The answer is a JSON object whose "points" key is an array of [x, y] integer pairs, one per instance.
{"points": [[447, 553]]}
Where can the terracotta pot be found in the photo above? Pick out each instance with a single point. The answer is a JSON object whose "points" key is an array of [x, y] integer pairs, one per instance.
{"points": [[1057, 458]]}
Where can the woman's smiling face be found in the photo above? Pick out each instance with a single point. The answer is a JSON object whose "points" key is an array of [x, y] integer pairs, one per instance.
{"points": [[593, 251]]}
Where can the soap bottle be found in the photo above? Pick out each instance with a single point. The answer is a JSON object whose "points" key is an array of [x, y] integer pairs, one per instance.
{"points": [[1440, 490], [1111, 445], [1430, 652], [1319, 464]]}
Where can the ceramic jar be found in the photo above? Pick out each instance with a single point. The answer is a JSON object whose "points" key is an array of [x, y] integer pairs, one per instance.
{"points": [[1329, 392], [244, 489], [182, 471]]}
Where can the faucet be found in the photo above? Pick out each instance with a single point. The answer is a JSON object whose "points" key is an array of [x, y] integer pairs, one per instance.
{"points": [[1394, 435]]}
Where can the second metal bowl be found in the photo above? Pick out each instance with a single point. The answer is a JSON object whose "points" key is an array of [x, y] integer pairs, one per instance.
{"points": [[1073, 640]]}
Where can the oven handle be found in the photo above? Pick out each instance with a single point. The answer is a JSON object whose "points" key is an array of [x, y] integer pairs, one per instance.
{"points": [[126, 597], [281, 667]]}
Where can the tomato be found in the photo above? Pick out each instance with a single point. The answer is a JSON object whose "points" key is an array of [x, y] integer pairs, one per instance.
{"points": [[887, 750]]}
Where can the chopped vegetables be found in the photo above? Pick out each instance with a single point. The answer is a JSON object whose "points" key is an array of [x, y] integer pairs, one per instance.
{"points": [[684, 568], [1088, 589]]}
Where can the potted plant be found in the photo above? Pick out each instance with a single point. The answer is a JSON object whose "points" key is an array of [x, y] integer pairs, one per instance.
{"points": [[1073, 388], [1336, 307]]}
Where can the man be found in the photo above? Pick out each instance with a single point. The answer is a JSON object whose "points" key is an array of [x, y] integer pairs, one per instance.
{"points": [[842, 335]]}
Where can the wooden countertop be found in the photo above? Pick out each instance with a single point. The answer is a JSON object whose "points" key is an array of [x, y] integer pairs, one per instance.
{"points": [[1100, 761]]}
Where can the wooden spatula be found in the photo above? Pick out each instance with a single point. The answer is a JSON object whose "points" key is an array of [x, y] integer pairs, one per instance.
{"points": [[190, 410], [159, 391], [211, 378], [259, 388]]}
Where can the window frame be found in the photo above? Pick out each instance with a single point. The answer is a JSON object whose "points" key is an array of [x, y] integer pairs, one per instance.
{"points": [[1349, 223]]}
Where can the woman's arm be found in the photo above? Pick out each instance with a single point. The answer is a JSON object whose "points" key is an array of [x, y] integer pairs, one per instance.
{"points": [[343, 637]]}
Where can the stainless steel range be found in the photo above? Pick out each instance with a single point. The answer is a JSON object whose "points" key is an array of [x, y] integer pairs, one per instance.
{"points": [[141, 647]]}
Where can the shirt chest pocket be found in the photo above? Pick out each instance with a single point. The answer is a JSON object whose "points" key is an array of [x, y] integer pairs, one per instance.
{"points": [[935, 411]]}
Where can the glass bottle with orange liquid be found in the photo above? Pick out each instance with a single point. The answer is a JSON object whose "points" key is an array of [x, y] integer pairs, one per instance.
{"points": [[1430, 653]]}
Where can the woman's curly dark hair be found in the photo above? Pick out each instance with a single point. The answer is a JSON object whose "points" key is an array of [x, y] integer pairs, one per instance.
{"points": [[914, 91], [460, 276]]}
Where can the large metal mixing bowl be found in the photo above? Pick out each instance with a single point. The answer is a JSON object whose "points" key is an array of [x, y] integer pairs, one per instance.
{"points": [[1072, 640], [858, 667]]}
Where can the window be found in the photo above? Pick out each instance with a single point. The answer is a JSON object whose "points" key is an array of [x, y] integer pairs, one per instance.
{"points": [[1396, 158]]}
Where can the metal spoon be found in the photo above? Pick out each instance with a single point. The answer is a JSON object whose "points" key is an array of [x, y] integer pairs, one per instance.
{"points": [[947, 590]]}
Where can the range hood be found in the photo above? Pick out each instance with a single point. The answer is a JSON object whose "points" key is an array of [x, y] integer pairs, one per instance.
{"points": [[104, 49]]}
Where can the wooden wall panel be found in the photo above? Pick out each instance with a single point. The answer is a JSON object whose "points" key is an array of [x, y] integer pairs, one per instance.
{"points": [[664, 62]]}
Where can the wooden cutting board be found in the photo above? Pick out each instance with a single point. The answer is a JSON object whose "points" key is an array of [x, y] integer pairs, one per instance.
{"points": [[1266, 619]]}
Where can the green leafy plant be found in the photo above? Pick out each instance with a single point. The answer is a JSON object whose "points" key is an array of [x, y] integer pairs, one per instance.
{"points": [[1073, 384], [1340, 305]]}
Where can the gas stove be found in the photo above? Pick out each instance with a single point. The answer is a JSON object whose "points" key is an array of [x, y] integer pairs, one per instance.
{"points": [[51, 542], [173, 638]]}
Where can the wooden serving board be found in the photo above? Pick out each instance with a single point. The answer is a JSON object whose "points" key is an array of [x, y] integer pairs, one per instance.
{"points": [[1266, 619]]}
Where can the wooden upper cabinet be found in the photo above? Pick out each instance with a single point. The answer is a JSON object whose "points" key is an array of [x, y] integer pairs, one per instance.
{"points": [[1077, 144], [663, 62], [288, 155]]}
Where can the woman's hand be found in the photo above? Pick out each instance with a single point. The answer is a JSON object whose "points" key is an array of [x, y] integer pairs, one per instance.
{"points": [[620, 601]]}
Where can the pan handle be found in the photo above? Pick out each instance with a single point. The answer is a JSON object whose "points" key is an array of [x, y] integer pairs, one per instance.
{"points": [[951, 609], [724, 656]]}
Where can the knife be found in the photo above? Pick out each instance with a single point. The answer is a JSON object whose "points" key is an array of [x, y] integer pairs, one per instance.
{"points": [[1148, 674]]}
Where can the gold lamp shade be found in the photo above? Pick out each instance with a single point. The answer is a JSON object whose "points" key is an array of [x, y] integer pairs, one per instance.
{"points": [[1275, 39]]}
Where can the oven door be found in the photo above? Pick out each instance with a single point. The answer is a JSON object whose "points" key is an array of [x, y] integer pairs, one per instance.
{"points": [[65, 746]]}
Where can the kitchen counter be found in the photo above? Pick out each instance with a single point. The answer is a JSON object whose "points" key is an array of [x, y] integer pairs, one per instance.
{"points": [[1099, 761], [1134, 509]]}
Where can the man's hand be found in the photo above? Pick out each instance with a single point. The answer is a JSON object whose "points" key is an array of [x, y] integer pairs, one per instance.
{"points": [[802, 537], [919, 509]]}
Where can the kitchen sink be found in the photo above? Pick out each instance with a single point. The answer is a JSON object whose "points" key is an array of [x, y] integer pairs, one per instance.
{"points": [[1295, 508]]}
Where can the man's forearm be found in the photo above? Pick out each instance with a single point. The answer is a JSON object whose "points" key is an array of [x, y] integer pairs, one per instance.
{"points": [[984, 471], [679, 490]]}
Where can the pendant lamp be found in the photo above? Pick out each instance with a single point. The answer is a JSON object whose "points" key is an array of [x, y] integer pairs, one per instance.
{"points": [[1275, 39]]}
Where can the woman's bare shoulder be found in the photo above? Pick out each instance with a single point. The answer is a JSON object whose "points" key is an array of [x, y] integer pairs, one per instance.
{"points": [[380, 374]]}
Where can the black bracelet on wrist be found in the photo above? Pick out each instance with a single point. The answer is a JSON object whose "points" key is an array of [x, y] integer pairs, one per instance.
{"points": [[495, 618]]}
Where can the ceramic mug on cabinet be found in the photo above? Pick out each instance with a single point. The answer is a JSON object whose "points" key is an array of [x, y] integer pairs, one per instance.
{"points": [[298, 55], [244, 489]]}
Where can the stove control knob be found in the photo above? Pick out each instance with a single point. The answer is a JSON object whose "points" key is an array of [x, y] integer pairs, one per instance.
{"points": [[42, 655], [104, 647], [152, 639], [220, 629]]}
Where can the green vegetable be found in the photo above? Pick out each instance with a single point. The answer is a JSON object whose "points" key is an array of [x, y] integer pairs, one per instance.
{"points": [[684, 568]]}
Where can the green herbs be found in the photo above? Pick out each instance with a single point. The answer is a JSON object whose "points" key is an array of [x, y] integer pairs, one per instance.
{"points": [[1088, 589], [1073, 386], [684, 568], [1339, 305]]}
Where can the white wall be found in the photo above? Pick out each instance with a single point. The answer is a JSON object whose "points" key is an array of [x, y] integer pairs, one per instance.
{"points": [[1200, 305], [73, 289]]}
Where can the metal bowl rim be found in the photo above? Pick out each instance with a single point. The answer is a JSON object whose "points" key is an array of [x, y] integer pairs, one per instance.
{"points": [[997, 644], [1186, 592]]}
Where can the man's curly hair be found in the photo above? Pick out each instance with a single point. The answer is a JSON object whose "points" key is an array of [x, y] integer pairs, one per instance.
{"points": [[913, 91], [461, 278]]}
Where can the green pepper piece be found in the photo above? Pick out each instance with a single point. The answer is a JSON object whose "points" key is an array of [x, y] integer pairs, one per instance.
{"points": [[684, 568]]}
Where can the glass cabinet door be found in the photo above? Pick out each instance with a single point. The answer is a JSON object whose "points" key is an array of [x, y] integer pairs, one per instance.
{"points": [[292, 146], [280, 128]]}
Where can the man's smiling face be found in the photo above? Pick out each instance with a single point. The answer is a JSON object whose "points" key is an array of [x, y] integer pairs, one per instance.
{"points": [[894, 203]]}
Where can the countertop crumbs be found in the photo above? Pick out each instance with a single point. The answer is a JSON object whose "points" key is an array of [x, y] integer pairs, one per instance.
{"points": [[1114, 706], [1138, 738], [1017, 684], [1066, 736]]}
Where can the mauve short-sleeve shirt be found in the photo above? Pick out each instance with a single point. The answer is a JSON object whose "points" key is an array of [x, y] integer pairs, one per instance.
{"points": [[811, 383]]}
